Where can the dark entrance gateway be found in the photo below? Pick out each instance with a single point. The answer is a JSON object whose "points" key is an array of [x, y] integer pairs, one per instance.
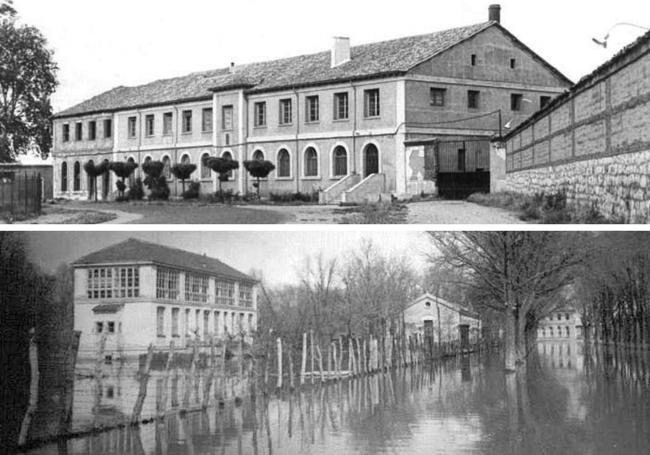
{"points": [[371, 160]]}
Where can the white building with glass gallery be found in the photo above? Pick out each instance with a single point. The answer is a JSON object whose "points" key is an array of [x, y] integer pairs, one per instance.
{"points": [[135, 294]]}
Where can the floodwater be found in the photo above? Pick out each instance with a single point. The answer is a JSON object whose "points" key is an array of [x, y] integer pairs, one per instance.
{"points": [[568, 400]]}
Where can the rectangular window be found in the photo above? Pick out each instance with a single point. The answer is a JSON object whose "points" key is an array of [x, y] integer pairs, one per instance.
{"points": [[111, 326], [160, 321], [515, 101], [175, 327], [167, 284], [66, 133], [438, 96], [260, 114], [187, 122], [473, 99], [206, 120], [371, 104], [246, 295], [225, 293], [113, 283], [108, 128], [206, 323], [341, 106], [513, 63], [132, 126], [99, 327], [78, 131], [168, 122], [149, 125], [92, 130], [196, 288], [543, 101], [227, 117], [286, 112], [473, 60], [312, 107], [461, 160]]}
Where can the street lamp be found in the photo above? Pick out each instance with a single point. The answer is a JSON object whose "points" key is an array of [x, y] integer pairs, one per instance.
{"points": [[604, 41]]}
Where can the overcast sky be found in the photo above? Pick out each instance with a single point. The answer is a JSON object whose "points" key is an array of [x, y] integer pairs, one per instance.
{"points": [[279, 255], [103, 44]]}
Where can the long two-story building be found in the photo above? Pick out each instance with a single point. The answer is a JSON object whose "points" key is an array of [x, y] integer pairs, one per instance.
{"points": [[336, 122], [136, 293]]}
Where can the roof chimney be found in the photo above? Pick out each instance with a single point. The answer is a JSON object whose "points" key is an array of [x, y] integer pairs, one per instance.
{"points": [[495, 13], [340, 51]]}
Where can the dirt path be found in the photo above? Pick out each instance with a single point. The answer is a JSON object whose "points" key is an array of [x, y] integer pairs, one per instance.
{"points": [[453, 212]]}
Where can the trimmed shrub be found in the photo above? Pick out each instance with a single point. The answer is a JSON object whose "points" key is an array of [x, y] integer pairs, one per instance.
{"points": [[136, 190], [193, 191]]}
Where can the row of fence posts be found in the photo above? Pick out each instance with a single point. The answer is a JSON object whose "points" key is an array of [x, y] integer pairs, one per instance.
{"points": [[22, 193]]}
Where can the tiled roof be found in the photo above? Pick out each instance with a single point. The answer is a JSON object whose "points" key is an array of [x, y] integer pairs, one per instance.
{"points": [[368, 61], [133, 250]]}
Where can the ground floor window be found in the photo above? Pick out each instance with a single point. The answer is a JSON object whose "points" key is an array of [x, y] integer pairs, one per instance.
{"points": [[160, 321], [175, 317], [64, 176], [284, 164], [311, 162], [340, 161], [77, 177]]}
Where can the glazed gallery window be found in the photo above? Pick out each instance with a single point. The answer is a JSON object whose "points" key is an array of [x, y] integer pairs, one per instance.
{"points": [[187, 122], [312, 107], [246, 295], [286, 112], [227, 117], [167, 284], [311, 162], [260, 114], [225, 293], [168, 121], [113, 283], [196, 288], [341, 106], [371, 103], [340, 162], [284, 164]]}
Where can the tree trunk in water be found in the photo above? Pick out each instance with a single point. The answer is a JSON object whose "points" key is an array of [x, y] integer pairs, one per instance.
{"points": [[510, 341]]}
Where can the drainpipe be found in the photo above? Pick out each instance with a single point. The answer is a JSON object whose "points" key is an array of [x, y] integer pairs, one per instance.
{"points": [[298, 140]]}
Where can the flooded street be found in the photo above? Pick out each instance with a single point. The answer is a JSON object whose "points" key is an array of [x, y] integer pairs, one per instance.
{"points": [[568, 401]]}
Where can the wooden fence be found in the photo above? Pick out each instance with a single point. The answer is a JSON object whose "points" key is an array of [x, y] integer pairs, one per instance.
{"points": [[20, 193]]}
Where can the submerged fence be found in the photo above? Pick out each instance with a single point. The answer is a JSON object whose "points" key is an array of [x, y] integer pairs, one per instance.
{"points": [[20, 193]]}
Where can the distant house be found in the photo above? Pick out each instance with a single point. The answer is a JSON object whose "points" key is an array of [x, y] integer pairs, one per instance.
{"points": [[445, 321], [136, 293], [562, 324]]}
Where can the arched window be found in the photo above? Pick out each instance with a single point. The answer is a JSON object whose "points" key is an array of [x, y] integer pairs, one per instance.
{"points": [[76, 185], [206, 173], [185, 159], [340, 162], [167, 169], [258, 155], [284, 164], [64, 176], [228, 156], [311, 162], [132, 177], [147, 160]]}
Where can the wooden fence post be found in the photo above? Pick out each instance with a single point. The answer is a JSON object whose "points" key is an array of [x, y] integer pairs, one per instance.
{"points": [[279, 350], [33, 389], [304, 358], [144, 381], [320, 363], [311, 346], [291, 378]]}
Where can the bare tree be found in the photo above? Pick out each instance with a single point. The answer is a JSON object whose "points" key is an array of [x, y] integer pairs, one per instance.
{"points": [[519, 274]]}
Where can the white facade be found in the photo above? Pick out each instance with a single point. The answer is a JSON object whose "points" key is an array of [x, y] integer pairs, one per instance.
{"points": [[561, 324]]}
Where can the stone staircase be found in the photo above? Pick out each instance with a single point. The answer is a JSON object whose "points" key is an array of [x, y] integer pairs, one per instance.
{"points": [[352, 190]]}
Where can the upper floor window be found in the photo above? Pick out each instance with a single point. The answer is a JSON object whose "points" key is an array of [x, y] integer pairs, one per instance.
{"points": [[543, 101], [513, 63], [515, 101], [196, 288], [108, 128], [284, 164], [246, 295], [187, 122], [92, 130], [132, 122], [227, 117], [167, 284], [260, 114], [473, 60], [225, 291], [113, 283], [168, 122], [473, 99], [438, 96], [371, 104], [341, 106], [313, 109], [206, 120], [66, 133], [286, 112], [149, 125], [78, 131]]}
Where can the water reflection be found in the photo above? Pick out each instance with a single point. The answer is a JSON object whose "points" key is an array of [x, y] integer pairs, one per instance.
{"points": [[568, 399]]}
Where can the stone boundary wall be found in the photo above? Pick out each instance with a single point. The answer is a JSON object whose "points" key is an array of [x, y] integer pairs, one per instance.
{"points": [[593, 142]]}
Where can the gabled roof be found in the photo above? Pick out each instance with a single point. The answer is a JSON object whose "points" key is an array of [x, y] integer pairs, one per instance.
{"points": [[450, 305], [137, 251], [368, 61]]}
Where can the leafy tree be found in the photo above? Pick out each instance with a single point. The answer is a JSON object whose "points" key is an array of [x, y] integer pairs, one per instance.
{"points": [[93, 172], [519, 274], [223, 167], [155, 181], [183, 172], [27, 80], [260, 170], [123, 170]]}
